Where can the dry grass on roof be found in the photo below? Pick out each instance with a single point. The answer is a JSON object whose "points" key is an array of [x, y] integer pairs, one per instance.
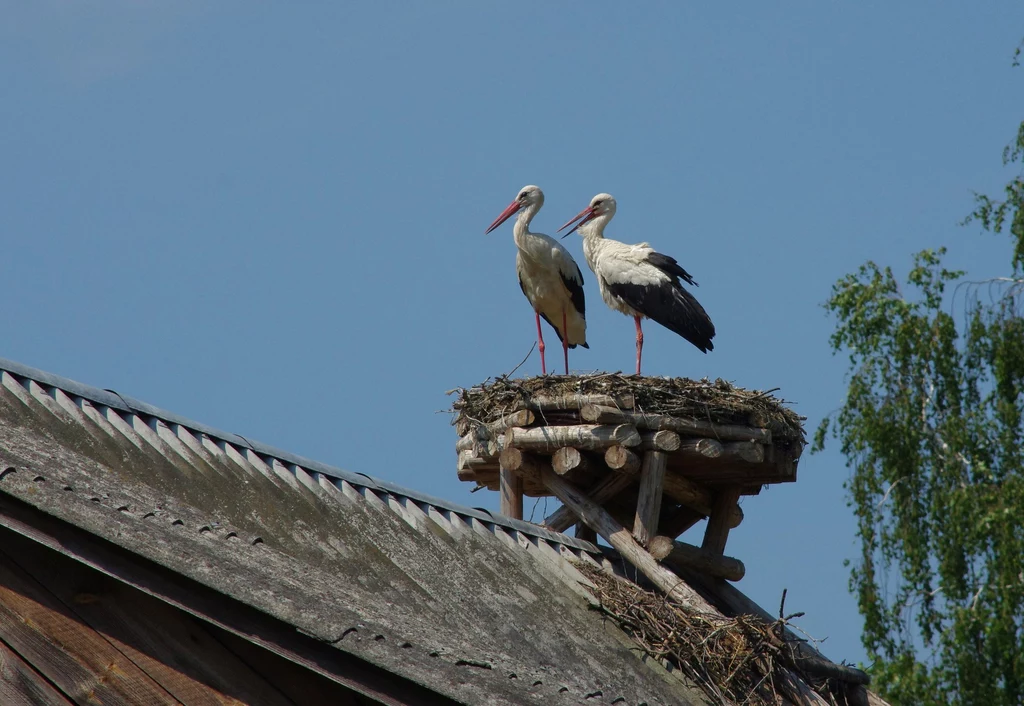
{"points": [[742, 660], [719, 401]]}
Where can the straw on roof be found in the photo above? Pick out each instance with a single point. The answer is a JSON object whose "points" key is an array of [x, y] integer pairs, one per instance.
{"points": [[741, 660]]}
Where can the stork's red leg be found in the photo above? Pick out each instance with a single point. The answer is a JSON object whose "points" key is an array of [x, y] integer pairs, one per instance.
{"points": [[540, 347], [639, 343], [565, 341]]}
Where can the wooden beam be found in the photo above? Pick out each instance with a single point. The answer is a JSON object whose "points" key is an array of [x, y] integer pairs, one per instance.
{"points": [[676, 554], [648, 506], [688, 492], [621, 459], [606, 489], [700, 449], [676, 522], [585, 533], [591, 437], [568, 460], [598, 519], [600, 414], [748, 451], [717, 532], [518, 418], [660, 441], [549, 403]]}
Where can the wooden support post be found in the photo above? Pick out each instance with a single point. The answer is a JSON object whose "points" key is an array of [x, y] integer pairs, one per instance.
{"points": [[510, 486], [610, 486], [598, 519], [648, 506], [621, 459], [677, 554], [717, 532]]}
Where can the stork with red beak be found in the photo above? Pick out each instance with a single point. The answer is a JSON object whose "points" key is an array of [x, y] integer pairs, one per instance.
{"points": [[548, 276], [639, 282]]}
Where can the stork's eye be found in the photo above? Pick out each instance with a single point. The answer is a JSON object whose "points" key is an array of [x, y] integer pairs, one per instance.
{"points": [[598, 202]]}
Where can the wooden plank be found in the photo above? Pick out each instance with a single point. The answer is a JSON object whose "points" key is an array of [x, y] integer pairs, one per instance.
{"points": [[177, 651], [648, 506], [255, 626], [511, 490], [590, 437], [677, 554], [717, 532], [606, 489], [72, 656], [299, 685], [20, 685], [598, 519]]}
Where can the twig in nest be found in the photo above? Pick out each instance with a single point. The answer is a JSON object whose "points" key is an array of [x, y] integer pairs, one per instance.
{"points": [[528, 354]]}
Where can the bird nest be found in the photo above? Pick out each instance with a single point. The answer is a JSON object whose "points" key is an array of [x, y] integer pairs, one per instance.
{"points": [[718, 402], [741, 660]]}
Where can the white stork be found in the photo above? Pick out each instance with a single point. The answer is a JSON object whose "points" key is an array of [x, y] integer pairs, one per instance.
{"points": [[639, 282], [548, 276]]}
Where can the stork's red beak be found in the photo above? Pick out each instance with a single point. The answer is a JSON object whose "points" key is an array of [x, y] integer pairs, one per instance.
{"points": [[583, 216], [512, 208]]}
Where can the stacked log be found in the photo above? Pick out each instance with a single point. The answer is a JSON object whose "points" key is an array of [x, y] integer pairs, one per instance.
{"points": [[697, 450], [602, 458]]}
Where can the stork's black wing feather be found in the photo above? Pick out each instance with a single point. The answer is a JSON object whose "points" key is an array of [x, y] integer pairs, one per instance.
{"points": [[576, 294], [669, 266], [671, 306], [543, 316]]}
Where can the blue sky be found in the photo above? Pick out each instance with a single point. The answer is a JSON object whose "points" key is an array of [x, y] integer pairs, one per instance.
{"points": [[269, 217]]}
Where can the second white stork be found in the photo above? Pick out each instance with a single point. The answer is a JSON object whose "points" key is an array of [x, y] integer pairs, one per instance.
{"points": [[548, 276], [639, 282]]}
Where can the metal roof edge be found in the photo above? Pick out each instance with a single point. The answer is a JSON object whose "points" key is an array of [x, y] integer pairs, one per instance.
{"points": [[124, 403]]}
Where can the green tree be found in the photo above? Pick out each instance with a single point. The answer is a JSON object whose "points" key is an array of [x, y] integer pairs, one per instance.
{"points": [[932, 430]]}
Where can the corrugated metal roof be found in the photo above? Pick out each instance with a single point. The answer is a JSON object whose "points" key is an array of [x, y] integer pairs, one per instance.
{"points": [[475, 605]]}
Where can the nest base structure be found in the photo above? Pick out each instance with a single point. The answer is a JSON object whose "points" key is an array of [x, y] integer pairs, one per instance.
{"points": [[648, 456]]}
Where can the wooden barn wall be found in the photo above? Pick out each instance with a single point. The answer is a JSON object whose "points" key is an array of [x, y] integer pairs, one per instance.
{"points": [[70, 635]]}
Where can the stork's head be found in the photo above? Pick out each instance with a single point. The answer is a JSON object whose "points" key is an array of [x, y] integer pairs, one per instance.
{"points": [[601, 207], [528, 196]]}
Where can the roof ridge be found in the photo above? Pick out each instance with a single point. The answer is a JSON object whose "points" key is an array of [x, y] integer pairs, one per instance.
{"points": [[124, 403]]}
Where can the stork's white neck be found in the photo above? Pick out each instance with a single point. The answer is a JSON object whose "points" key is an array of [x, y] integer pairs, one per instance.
{"points": [[522, 225], [594, 228]]}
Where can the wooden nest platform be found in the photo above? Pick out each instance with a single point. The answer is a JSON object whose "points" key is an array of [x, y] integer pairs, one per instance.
{"points": [[653, 454]]}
